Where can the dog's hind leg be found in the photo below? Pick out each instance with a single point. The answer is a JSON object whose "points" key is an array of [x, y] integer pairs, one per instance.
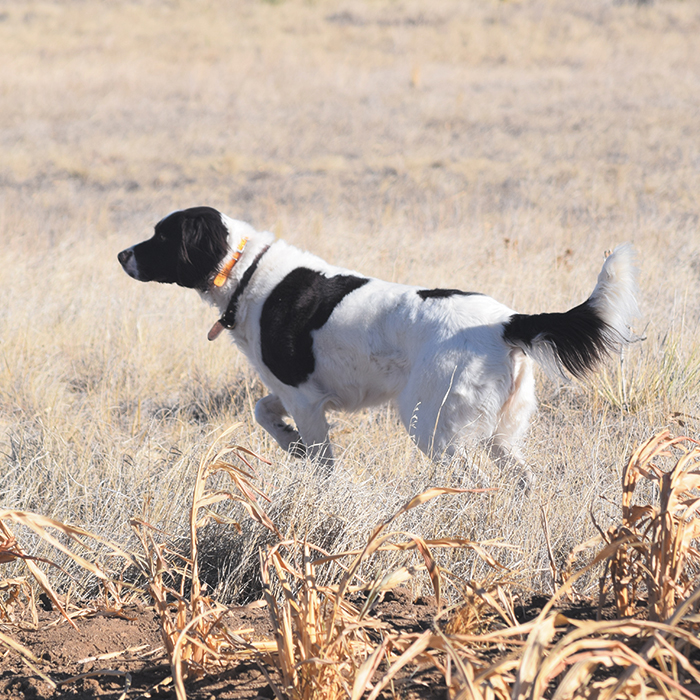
{"points": [[509, 459], [270, 413], [514, 419]]}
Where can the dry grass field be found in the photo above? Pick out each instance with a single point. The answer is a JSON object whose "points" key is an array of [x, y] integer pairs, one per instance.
{"points": [[495, 146]]}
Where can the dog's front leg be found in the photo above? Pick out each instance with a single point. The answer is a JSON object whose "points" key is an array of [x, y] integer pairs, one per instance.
{"points": [[311, 440], [313, 427], [270, 413]]}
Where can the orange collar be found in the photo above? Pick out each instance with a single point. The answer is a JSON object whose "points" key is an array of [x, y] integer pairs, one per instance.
{"points": [[221, 278]]}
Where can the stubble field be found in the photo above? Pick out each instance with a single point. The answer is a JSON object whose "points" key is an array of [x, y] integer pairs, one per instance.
{"points": [[499, 147]]}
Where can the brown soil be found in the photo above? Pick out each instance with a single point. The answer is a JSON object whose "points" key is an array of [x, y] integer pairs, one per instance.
{"points": [[127, 650], [124, 653]]}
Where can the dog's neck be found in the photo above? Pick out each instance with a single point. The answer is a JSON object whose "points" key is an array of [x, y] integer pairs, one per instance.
{"points": [[245, 244], [228, 318]]}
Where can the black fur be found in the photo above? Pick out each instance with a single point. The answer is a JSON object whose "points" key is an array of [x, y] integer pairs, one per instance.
{"points": [[301, 303], [186, 249], [580, 338], [442, 293]]}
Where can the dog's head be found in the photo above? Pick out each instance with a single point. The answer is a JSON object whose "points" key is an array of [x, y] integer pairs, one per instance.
{"points": [[186, 249]]}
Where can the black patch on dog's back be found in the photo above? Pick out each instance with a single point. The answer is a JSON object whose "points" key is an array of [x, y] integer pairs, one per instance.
{"points": [[442, 293], [302, 302]]}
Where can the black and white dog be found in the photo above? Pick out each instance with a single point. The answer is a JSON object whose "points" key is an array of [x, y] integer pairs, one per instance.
{"points": [[457, 365]]}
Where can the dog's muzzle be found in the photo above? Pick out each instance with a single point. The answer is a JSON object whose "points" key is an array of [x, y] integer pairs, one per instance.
{"points": [[127, 259]]}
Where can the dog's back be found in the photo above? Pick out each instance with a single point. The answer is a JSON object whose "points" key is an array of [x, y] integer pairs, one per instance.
{"points": [[482, 385]]}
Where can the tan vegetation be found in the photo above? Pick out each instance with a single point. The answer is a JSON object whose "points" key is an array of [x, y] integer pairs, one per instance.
{"points": [[491, 146]]}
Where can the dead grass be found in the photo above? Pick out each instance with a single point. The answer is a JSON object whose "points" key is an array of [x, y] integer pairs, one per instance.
{"points": [[498, 147]]}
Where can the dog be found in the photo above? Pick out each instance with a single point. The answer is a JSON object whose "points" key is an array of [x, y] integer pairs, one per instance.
{"points": [[457, 365]]}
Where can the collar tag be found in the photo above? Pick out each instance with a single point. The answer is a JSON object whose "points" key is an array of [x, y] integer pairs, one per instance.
{"points": [[215, 331]]}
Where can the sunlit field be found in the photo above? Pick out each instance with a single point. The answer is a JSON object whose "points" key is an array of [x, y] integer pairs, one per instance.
{"points": [[499, 147]]}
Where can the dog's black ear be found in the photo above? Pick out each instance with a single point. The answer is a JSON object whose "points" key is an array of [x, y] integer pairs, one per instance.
{"points": [[203, 246]]}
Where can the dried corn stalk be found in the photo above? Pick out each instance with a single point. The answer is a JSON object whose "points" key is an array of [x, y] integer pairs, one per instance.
{"points": [[656, 542], [194, 634], [325, 646]]}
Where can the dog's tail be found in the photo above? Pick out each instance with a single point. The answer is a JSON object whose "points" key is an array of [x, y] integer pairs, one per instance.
{"points": [[581, 337]]}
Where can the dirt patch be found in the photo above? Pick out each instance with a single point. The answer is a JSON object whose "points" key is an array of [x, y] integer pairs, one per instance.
{"points": [[126, 651], [119, 652], [121, 656]]}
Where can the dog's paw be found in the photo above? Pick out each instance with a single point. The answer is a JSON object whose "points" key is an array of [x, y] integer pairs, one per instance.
{"points": [[526, 480], [297, 449]]}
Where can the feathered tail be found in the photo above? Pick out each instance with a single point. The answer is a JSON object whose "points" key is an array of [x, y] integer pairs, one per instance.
{"points": [[580, 338]]}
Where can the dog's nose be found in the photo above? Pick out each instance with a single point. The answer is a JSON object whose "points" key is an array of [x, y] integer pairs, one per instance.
{"points": [[125, 256]]}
